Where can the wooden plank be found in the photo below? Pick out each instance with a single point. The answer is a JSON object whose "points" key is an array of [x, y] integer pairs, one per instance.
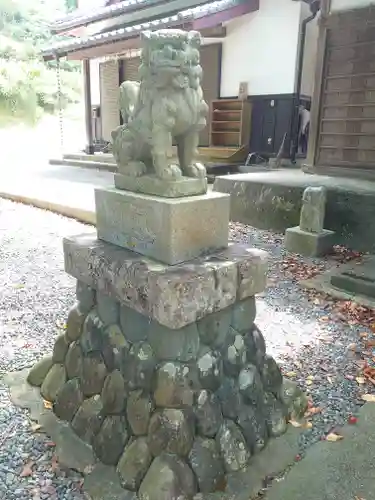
{"points": [[318, 89], [363, 119], [348, 148], [336, 91], [358, 75], [359, 105], [351, 164], [354, 134]]}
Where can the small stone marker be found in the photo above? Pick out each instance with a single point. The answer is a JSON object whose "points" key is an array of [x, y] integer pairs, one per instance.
{"points": [[310, 238], [313, 209]]}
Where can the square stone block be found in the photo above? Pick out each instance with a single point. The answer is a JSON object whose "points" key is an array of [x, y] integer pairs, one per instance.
{"points": [[309, 244], [174, 296], [171, 230]]}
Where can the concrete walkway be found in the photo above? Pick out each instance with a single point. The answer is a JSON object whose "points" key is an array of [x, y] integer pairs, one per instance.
{"points": [[342, 470], [65, 190], [61, 189]]}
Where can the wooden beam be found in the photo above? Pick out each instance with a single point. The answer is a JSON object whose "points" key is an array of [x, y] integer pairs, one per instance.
{"points": [[87, 96], [109, 49], [214, 32], [318, 89]]}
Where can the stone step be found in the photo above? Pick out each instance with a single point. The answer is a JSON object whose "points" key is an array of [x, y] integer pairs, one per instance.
{"points": [[100, 157], [109, 167]]}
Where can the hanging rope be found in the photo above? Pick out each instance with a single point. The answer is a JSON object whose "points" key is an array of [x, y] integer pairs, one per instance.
{"points": [[59, 100]]}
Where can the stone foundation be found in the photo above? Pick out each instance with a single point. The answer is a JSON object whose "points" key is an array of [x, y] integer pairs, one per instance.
{"points": [[309, 244], [196, 402]]}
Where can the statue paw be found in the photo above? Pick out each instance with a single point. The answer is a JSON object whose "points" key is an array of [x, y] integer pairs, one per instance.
{"points": [[135, 169], [170, 173], [196, 170]]}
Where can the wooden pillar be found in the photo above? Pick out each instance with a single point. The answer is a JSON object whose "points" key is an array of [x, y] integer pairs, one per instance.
{"points": [[318, 86], [88, 108]]}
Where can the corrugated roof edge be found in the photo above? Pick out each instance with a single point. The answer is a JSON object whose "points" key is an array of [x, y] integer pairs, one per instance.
{"points": [[82, 18], [63, 48]]}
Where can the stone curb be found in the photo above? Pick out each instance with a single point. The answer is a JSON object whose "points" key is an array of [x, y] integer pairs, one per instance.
{"points": [[79, 214], [89, 164]]}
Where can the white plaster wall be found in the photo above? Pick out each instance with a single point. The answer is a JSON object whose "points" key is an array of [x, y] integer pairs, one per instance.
{"points": [[350, 4], [261, 48], [95, 82], [311, 45]]}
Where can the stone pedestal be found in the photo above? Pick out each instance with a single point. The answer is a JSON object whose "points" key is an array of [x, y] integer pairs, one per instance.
{"points": [[170, 230], [310, 238], [162, 369], [152, 185], [309, 244]]}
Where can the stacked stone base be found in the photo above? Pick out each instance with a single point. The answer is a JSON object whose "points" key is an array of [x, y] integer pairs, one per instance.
{"points": [[175, 411]]}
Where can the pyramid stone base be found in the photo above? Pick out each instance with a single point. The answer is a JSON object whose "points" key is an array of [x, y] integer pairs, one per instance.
{"points": [[162, 368]]}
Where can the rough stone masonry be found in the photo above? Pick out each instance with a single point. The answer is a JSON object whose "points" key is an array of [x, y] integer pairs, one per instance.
{"points": [[162, 369]]}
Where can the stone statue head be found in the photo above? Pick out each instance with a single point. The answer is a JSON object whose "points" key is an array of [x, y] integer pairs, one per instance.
{"points": [[171, 57]]}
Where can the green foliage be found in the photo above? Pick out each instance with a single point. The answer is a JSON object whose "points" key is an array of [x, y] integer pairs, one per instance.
{"points": [[28, 86]]}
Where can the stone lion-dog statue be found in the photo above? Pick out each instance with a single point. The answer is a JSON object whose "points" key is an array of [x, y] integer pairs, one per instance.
{"points": [[166, 105]]}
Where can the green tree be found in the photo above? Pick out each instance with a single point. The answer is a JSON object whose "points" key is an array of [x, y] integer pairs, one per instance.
{"points": [[28, 86]]}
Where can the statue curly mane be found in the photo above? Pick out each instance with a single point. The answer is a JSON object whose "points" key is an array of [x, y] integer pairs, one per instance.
{"points": [[169, 106]]}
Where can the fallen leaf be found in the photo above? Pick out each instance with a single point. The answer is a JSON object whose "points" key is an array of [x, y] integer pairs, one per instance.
{"points": [[313, 411], [294, 423], [352, 420], [369, 373], [353, 347], [324, 318], [54, 464], [366, 353], [333, 437], [363, 335], [301, 425], [290, 374], [27, 470], [360, 380], [88, 469], [330, 379], [370, 343], [369, 398], [47, 404], [35, 427], [309, 382]]}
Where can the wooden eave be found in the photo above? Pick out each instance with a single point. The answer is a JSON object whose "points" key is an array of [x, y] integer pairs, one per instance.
{"points": [[202, 17]]}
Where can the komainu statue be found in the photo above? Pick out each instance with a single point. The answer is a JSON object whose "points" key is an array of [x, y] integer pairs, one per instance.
{"points": [[129, 92], [169, 108]]}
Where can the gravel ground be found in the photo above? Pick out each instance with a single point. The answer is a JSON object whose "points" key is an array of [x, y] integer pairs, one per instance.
{"points": [[35, 295], [313, 347]]}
